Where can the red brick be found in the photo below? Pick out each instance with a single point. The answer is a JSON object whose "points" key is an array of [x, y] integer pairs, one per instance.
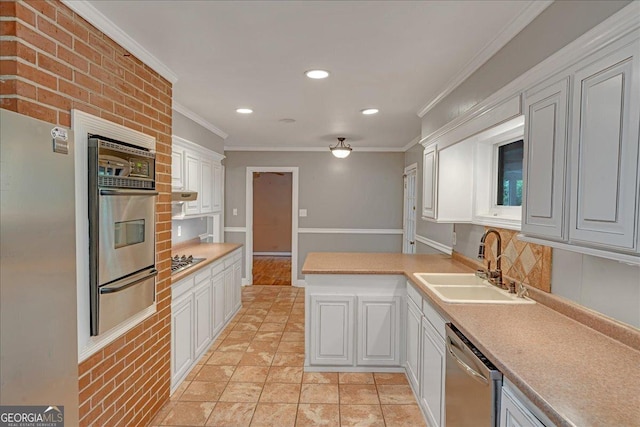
{"points": [[113, 67], [54, 31], [86, 108], [64, 119], [74, 91], [54, 66], [101, 102], [101, 74], [87, 52], [126, 113], [37, 76], [37, 111], [73, 59], [34, 38], [73, 26], [8, 28], [87, 82], [100, 45], [42, 7], [124, 60], [134, 103], [111, 117], [132, 125], [8, 87], [26, 53], [8, 67], [51, 98], [151, 90], [8, 8]]}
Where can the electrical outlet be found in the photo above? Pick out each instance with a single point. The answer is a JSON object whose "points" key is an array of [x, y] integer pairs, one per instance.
{"points": [[454, 238], [179, 230], [303, 213], [235, 212]]}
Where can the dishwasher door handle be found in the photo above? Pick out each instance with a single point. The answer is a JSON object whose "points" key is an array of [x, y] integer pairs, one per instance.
{"points": [[468, 369]]}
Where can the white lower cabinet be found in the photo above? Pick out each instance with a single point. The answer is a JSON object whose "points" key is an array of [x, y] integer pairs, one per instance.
{"points": [[514, 413], [202, 304], [331, 338], [432, 372], [237, 280], [378, 331], [412, 343]]}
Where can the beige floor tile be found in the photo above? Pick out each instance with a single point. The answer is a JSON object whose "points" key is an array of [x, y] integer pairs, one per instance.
{"points": [[162, 413], [188, 414], [241, 392], [246, 327], [356, 378], [358, 394], [293, 336], [267, 336], [272, 318], [257, 311], [294, 327], [215, 373], [390, 378], [252, 318], [225, 358], [181, 388], [203, 391], [241, 335], [320, 377], [274, 415], [317, 414], [280, 393], [403, 416], [291, 347], [250, 374], [288, 359], [272, 327], [361, 416], [319, 393], [262, 358], [285, 374], [192, 374], [231, 414], [233, 346], [259, 346], [261, 304], [395, 394]]}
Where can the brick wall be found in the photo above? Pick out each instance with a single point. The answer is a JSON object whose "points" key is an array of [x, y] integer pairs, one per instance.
{"points": [[51, 61]]}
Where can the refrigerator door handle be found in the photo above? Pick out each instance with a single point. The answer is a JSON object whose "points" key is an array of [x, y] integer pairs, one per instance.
{"points": [[108, 289], [127, 193]]}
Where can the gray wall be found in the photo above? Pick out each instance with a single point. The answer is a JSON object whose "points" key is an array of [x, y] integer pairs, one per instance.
{"points": [[362, 191], [554, 28], [191, 228], [186, 128], [603, 285]]}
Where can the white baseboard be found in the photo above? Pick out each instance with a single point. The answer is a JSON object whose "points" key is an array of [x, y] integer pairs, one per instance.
{"points": [[300, 283]]}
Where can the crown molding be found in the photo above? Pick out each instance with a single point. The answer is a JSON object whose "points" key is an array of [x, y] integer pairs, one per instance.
{"points": [[281, 148], [413, 142], [104, 24], [199, 120], [197, 147], [510, 31]]}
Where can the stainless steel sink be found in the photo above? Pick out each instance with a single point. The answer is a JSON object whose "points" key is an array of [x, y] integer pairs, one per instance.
{"points": [[467, 288]]}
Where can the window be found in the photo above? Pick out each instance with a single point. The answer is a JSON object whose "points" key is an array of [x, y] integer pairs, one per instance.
{"points": [[509, 171]]}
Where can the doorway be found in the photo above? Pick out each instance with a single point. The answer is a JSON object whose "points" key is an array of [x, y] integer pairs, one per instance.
{"points": [[272, 225], [409, 215]]}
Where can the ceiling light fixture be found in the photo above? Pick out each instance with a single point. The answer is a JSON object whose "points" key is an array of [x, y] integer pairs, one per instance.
{"points": [[244, 110], [369, 111], [340, 150], [317, 74]]}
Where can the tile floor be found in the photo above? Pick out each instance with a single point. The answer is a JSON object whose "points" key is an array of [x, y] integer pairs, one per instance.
{"points": [[271, 270], [253, 376]]}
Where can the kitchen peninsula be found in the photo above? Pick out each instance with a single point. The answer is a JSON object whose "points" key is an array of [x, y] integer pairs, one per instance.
{"points": [[574, 366]]}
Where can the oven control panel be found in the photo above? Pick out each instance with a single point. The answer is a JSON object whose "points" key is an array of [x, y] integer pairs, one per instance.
{"points": [[139, 167]]}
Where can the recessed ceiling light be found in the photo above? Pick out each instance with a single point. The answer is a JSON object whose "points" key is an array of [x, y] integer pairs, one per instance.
{"points": [[244, 110], [369, 111], [317, 74]]}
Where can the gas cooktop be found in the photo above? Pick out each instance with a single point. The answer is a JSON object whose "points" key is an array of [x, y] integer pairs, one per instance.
{"points": [[182, 262]]}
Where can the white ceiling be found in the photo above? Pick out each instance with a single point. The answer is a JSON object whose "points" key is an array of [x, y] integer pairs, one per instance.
{"points": [[396, 56]]}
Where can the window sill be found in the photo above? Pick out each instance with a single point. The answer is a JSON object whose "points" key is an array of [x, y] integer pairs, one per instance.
{"points": [[509, 223]]}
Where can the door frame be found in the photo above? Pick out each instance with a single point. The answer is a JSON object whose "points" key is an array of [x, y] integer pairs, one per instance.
{"points": [[412, 168], [249, 220]]}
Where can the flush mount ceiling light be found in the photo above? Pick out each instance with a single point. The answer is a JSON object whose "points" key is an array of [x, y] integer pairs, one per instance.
{"points": [[341, 150], [244, 110], [369, 111], [317, 74]]}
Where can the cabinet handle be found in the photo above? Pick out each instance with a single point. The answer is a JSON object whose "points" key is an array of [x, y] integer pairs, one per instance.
{"points": [[468, 369]]}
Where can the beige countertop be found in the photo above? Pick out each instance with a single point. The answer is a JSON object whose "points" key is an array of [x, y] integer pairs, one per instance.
{"points": [[576, 375], [210, 251]]}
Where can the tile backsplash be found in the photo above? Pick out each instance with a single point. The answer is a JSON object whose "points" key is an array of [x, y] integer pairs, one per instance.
{"points": [[526, 262]]}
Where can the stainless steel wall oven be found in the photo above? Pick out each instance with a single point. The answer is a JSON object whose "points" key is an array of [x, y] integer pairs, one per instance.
{"points": [[122, 192]]}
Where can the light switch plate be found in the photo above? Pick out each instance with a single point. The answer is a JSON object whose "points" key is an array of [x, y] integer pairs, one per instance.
{"points": [[303, 213], [235, 212]]}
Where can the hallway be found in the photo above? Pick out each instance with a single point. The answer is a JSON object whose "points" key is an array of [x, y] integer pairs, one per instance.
{"points": [[253, 376], [272, 270]]}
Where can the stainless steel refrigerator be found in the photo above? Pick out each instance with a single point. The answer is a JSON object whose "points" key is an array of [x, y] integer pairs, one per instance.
{"points": [[38, 325]]}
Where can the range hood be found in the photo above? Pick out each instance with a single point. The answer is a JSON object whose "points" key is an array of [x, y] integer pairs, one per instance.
{"points": [[183, 196]]}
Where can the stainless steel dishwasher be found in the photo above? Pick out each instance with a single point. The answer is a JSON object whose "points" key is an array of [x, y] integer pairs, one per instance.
{"points": [[472, 384]]}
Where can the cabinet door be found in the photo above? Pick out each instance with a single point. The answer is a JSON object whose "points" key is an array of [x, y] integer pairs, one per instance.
{"points": [[177, 168], [206, 186], [218, 185], [429, 182], [218, 303], [192, 181], [331, 341], [378, 336], [202, 320], [514, 414], [228, 293], [432, 372], [413, 343], [604, 143], [181, 338], [237, 285], [545, 156]]}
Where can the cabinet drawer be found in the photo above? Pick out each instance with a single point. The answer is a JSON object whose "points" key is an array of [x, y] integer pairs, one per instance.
{"points": [[181, 287], [217, 268], [433, 317], [201, 276], [228, 261], [414, 295]]}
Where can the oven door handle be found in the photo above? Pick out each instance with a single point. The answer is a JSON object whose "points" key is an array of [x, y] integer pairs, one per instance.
{"points": [[468, 369], [128, 193], [108, 289]]}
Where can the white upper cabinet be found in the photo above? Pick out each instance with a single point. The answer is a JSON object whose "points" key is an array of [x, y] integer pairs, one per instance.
{"points": [[206, 186], [545, 154], [177, 168], [604, 150], [192, 181], [218, 186], [429, 182]]}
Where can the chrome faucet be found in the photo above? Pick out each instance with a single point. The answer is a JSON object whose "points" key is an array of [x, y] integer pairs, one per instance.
{"points": [[495, 277]]}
